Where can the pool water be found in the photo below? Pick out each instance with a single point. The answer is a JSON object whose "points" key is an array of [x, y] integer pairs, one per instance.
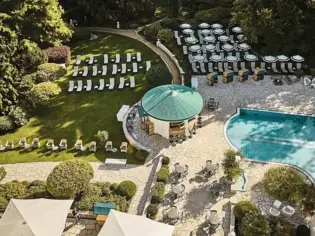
{"points": [[273, 136]]}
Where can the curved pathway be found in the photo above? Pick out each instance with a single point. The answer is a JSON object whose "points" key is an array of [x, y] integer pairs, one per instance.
{"points": [[134, 34]]}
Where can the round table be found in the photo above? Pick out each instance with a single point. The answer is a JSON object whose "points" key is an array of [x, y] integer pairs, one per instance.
{"points": [[214, 218], [177, 189], [180, 169], [172, 214], [210, 167]]}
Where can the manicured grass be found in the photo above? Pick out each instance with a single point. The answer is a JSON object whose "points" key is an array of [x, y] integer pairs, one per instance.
{"points": [[81, 115]]}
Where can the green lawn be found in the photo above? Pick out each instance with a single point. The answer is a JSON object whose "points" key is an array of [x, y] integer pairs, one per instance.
{"points": [[81, 115]]}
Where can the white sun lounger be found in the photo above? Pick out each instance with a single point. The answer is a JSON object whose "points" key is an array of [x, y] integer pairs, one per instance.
{"points": [[282, 66], [194, 68], [105, 58], [253, 66], [134, 67], [80, 86], [123, 68], [210, 67], [111, 83], [94, 71], [202, 67], [274, 67], [290, 68], [75, 71], [121, 82], [85, 71], [185, 50], [220, 68], [71, 86], [91, 61], [128, 57], [243, 65], [132, 82], [190, 58], [148, 65], [179, 41], [235, 69], [101, 87], [104, 72], [117, 59], [176, 34], [226, 66], [138, 56], [88, 85], [114, 71], [78, 62]]}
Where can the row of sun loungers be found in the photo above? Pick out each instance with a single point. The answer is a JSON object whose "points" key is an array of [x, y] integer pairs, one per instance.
{"points": [[79, 87], [91, 59]]}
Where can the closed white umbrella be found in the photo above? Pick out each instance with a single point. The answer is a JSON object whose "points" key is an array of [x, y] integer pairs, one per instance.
{"points": [[209, 47], [244, 46], [194, 48], [251, 57], [227, 47], [188, 31], [237, 30], [283, 58], [216, 58], [224, 38], [216, 26], [219, 31], [185, 26], [231, 59], [210, 39], [297, 58], [191, 40], [269, 59], [205, 31], [204, 25], [198, 58]]}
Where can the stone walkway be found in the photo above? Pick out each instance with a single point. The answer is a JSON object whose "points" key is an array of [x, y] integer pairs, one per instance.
{"points": [[134, 34]]}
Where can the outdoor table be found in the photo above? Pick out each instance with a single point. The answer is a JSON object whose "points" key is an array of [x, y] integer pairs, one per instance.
{"points": [[214, 218], [177, 189], [172, 214], [211, 167], [180, 169]]}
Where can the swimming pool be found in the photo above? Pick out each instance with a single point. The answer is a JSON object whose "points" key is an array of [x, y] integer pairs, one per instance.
{"points": [[274, 136]]}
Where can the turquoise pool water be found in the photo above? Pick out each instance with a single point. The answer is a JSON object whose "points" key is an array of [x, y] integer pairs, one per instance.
{"points": [[273, 136]]}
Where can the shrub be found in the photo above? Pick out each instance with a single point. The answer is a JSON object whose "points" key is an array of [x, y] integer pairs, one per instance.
{"points": [[69, 178], [213, 14], [141, 155], [158, 75], [165, 160], [19, 115], [37, 191], [281, 228], [165, 35], [14, 190], [50, 72], [127, 188], [25, 183], [152, 211], [230, 166], [158, 192], [60, 54], [87, 203], [150, 32], [42, 93], [171, 23], [114, 187], [101, 137], [27, 82], [3, 202], [283, 183], [163, 175], [242, 208], [92, 190], [38, 183], [106, 190], [3, 173], [254, 224], [6, 123], [308, 200]]}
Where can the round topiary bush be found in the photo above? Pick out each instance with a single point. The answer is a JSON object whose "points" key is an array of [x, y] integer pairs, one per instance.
{"points": [[127, 188], [141, 155], [3, 202], [254, 224], [165, 160], [158, 75], [114, 187], [158, 192], [50, 72], [242, 208], [69, 178], [43, 92], [3, 173], [14, 190], [163, 174], [152, 211]]}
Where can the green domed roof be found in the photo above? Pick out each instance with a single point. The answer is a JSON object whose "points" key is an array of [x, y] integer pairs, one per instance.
{"points": [[172, 102]]}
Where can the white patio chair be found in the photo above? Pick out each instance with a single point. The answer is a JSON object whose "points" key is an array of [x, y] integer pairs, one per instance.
{"points": [[138, 56], [117, 58], [190, 58], [210, 67], [88, 85], [307, 81], [274, 67], [85, 71], [275, 209], [148, 65], [288, 210], [101, 87], [91, 60], [123, 68], [104, 68], [202, 67], [134, 67], [94, 71], [105, 58], [114, 71], [80, 86], [132, 82], [220, 68], [78, 61], [290, 68], [71, 86], [121, 82], [185, 50], [75, 71], [128, 57], [282, 66], [111, 83]]}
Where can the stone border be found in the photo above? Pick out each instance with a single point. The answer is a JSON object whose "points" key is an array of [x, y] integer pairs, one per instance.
{"points": [[305, 173]]}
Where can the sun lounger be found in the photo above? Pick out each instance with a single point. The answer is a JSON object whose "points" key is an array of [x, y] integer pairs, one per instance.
{"points": [[101, 87], [128, 57], [124, 147], [63, 144], [9, 144], [235, 69], [111, 83], [112, 161], [85, 71], [217, 47], [202, 67], [80, 86], [262, 65], [114, 71], [138, 56], [290, 68], [238, 55], [176, 33], [132, 82], [109, 146], [179, 41], [2, 148], [210, 67], [282, 66], [190, 58], [50, 144], [201, 39], [78, 62], [78, 145], [71, 86], [75, 71], [121, 82], [236, 46], [117, 58], [23, 143], [91, 60], [274, 67], [242, 65], [88, 85], [134, 67], [104, 72], [148, 65], [123, 68], [226, 66], [94, 71], [185, 50], [194, 68], [105, 58], [92, 146], [220, 68], [35, 143], [253, 66]]}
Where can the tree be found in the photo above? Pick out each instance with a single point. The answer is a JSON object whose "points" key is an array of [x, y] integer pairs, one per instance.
{"points": [[42, 93], [231, 168], [69, 178], [282, 228], [254, 224], [158, 75], [244, 207], [165, 35], [150, 32]]}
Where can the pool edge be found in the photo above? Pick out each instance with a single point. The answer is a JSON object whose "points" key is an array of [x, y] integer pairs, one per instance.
{"points": [[305, 173]]}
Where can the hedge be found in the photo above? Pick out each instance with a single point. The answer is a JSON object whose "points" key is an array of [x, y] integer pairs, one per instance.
{"points": [[14, 189], [152, 211], [59, 55], [244, 207], [127, 188], [165, 160], [158, 192], [163, 174], [3, 202], [50, 72]]}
